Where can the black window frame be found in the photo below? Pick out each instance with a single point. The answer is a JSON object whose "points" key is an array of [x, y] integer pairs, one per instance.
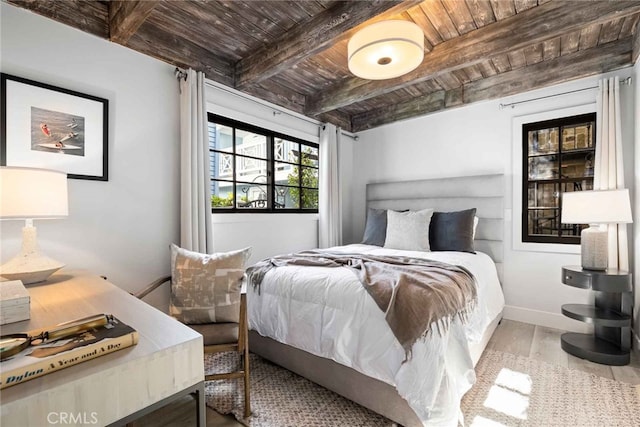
{"points": [[271, 162], [560, 123]]}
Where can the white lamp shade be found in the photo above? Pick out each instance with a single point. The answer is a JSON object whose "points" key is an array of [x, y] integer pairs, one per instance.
{"points": [[596, 207], [28, 193], [386, 49]]}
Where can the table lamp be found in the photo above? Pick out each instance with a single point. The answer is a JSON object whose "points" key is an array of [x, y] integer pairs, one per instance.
{"points": [[28, 194], [595, 208]]}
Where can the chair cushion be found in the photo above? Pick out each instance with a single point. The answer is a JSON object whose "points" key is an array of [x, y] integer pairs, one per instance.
{"points": [[205, 288], [217, 333]]}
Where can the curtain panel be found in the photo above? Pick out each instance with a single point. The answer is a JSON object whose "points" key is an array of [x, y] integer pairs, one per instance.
{"points": [[608, 167], [196, 229], [330, 198]]}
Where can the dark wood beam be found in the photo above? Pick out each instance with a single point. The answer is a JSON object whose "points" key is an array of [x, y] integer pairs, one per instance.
{"points": [[126, 16], [342, 120], [156, 42], [636, 43], [314, 36], [89, 16], [536, 25], [584, 63]]}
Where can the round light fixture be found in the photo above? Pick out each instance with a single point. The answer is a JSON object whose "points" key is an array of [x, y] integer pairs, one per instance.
{"points": [[386, 49]]}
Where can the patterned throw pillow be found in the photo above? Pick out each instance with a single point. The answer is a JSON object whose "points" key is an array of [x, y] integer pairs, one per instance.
{"points": [[206, 288]]}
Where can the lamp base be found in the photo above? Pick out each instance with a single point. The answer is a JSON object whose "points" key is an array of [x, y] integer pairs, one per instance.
{"points": [[29, 265], [594, 248]]}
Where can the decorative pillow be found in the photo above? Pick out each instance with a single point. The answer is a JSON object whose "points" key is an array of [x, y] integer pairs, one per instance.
{"points": [[408, 230], [452, 231], [376, 229], [206, 288]]}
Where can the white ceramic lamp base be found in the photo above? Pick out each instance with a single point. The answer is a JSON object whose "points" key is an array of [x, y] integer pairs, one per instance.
{"points": [[594, 247], [29, 265]]}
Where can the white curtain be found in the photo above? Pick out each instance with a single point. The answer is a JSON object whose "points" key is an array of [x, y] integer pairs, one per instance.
{"points": [[330, 224], [196, 229], [608, 167]]}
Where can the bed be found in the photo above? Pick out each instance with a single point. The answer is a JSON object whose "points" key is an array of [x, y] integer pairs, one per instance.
{"points": [[321, 323]]}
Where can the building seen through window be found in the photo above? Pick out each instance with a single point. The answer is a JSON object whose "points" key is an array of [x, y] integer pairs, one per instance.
{"points": [[558, 157], [257, 169]]}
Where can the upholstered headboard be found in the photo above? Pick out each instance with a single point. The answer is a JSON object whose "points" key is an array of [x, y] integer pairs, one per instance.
{"points": [[483, 192]]}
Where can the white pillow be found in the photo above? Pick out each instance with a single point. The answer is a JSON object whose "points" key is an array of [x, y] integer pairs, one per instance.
{"points": [[408, 230]]}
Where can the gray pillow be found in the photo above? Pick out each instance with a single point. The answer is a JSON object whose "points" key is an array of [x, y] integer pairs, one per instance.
{"points": [[376, 229], [452, 231], [408, 230]]}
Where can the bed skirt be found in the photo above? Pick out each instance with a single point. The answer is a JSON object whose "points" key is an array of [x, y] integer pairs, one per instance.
{"points": [[371, 393]]}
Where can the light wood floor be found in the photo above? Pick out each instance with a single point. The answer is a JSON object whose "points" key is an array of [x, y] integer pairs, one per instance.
{"points": [[523, 339]]}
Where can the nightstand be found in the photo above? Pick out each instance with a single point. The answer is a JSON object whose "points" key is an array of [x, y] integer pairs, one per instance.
{"points": [[610, 344]]}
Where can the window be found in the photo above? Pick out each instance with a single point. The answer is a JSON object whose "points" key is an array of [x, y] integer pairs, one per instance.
{"points": [[257, 170], [558, 156]]}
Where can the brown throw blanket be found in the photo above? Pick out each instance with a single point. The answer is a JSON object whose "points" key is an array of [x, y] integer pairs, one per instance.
{"points": [[415, 294]]}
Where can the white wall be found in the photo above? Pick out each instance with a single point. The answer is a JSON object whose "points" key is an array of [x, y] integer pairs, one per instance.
{"points": [[474, 140], [121, 228]]}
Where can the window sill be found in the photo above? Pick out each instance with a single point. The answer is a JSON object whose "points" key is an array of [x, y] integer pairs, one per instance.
{"points": [[233, 217]]}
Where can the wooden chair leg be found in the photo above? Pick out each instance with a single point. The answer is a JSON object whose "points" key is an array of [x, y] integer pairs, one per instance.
{"points": [[247, 399]]}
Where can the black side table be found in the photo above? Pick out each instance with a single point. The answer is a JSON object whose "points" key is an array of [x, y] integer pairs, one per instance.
{"points": [[611, 315]]}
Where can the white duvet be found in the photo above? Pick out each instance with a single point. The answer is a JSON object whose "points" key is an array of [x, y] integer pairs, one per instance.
{"points": [[327, 312]]}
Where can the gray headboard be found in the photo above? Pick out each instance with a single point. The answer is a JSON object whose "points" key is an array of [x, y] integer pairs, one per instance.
{"points": [[484, 192]]}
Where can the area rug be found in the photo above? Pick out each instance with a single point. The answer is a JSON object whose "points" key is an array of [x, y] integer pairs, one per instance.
{"points": [[510, 391]]}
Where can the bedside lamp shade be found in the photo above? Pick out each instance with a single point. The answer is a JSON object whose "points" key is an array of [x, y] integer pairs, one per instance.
{"points": [[28, 194], [594, 208]]}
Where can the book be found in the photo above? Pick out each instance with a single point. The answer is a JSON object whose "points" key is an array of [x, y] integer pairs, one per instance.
{"points": [[41, 359], [14, 302]]}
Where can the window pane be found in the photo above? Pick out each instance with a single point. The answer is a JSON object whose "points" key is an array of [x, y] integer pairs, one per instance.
{"points": [[543, 167], [251, 144], [577, 164], [286, 173], [543, 195], [309, 177], [287, 198], [309, 199], [543, 141], [309, 156], [221, 165], [252, 196], [221, 139], [221, 194], [286, 150], [251, 170], [544, 222]]}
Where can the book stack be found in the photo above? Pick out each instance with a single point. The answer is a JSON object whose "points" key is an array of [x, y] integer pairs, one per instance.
{"points": [[49, 356], [14, 302]]}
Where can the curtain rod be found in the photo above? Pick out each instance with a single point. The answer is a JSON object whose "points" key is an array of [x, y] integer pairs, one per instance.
{"points": [[501, 106], [180, 74]]}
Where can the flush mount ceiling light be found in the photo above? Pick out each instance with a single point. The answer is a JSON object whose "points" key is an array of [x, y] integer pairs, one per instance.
{"points": [[386, 49]]}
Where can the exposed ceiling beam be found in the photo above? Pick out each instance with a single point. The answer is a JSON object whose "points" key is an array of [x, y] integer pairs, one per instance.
{"points": [[538, 24], [88, 16], [125, 16], [310, 38], [156, 42], [636, 43], [583, 63]]}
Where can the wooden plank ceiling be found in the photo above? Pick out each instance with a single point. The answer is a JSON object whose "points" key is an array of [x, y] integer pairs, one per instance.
{"points": [[293, 53]]}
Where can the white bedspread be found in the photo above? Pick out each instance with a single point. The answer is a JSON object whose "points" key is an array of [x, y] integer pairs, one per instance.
{"points": [[327, 312]]}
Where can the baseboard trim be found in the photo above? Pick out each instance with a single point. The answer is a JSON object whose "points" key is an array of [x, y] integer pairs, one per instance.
{"points": [[544, 318]]}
